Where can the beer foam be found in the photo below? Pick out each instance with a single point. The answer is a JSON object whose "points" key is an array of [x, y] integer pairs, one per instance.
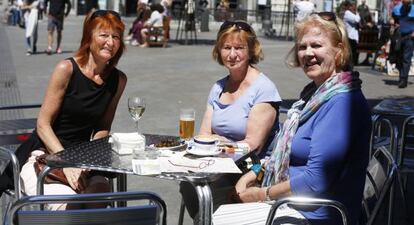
{"points": [[187, 118]]}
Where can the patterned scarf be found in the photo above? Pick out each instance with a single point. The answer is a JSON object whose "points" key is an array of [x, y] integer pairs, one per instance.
{"points": [[278, 163]]}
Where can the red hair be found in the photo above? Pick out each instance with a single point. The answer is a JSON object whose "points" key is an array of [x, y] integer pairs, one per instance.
{"points": [[105, 21]]}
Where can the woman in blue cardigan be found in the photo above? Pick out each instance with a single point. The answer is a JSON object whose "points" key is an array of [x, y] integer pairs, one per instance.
{"points": [[322, 150]]}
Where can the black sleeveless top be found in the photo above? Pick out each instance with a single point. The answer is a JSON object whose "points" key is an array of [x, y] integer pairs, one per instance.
{"points": [[83, 106]]}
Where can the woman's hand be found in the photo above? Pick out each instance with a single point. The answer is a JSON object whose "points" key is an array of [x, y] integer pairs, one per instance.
{"points": [[246, 181], [76, 178], [253, 194]]}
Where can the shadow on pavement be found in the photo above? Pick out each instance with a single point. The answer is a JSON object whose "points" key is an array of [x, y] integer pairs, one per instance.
{"points": [[393, 82]]}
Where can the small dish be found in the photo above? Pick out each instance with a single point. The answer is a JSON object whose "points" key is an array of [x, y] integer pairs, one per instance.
{"points": [[199, 152], [182, 146]]}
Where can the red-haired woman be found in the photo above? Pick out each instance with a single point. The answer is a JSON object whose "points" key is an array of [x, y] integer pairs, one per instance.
{"points": [[80, 102]]}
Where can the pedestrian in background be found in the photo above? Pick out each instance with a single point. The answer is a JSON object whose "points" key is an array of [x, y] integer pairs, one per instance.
{"points": [[403, 15], [366, 23], [31, 13], [302, 9], [41, 9], [56, 15], [351, 20], [364, 13], [91, 5]]}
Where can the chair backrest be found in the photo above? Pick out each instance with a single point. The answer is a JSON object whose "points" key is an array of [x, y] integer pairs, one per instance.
{"points": [[7, 156], [147, 214], [383, 134], [368, 40], [305, 201], [380, 175], [15, 129], [407, 142]]}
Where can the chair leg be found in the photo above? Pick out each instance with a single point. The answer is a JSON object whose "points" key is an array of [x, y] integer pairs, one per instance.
{"points": [[7, 201], [391, 203], [182, 211], [401, 184]]}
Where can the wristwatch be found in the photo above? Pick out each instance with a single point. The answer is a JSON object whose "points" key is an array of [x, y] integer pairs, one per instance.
{"points": [[268, 199]]}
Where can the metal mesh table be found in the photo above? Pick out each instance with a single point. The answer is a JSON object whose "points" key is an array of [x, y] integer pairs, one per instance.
{"points": [[98, 155]]}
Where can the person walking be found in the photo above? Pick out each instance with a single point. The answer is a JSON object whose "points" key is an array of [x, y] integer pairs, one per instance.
{"points": [[363, 11], [351, 20], [91, 5], [403, 14], [30, 15], [56, 15], [302, 9]]}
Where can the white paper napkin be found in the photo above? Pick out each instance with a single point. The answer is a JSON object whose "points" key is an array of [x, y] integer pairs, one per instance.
{"points": [[124, 143], [146, 166], [183, 164]]}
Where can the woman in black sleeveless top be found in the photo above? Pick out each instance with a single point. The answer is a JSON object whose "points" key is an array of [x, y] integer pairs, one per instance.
{"points": [[80, 103]]}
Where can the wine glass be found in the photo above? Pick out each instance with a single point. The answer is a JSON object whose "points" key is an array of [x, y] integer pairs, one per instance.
{"points": [[136, 107]]}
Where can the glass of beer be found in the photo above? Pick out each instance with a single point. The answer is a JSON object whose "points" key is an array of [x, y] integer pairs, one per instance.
{"points": [[187, 117]]}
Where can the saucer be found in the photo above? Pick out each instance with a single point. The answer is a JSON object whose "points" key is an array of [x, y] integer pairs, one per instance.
{"points": [[199, 152]]}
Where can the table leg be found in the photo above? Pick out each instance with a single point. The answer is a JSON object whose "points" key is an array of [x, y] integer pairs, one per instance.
{"points": [[205, 204], [121, 186], [121, 182]]}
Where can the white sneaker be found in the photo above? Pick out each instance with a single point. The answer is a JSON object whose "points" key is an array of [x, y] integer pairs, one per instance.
{"points": [[128, 38], [134, 43]]}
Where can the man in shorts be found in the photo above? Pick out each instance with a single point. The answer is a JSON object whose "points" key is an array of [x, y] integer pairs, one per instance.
{"points": [[56, 15]]}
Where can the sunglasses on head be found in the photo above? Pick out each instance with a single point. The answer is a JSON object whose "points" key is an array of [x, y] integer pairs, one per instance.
{"points": [[328, 16], [239, 25], [99, 13]]}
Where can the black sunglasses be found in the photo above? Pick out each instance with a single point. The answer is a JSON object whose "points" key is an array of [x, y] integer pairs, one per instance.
{"points": [[99, 13], [328, 16], [239, 25]]}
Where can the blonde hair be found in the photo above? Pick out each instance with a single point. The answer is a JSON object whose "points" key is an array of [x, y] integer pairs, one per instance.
{"points": [[255, 49], [336, 33]]}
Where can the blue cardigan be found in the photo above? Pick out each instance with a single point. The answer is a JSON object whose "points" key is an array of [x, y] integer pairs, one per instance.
{"points": [[330, 155]]}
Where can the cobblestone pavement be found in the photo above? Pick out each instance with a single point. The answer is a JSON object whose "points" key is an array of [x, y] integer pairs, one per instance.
{"points": [[169, 78]]}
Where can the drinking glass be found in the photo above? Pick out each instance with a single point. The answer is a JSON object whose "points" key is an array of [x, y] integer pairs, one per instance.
{"points": [[187, 117], [136, 107]]}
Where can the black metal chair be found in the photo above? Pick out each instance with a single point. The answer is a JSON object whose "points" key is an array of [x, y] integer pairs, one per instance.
{"points": [[11, 195], [15, 131], [380, 174], [306, 201], [152, 213], [384, 133], [405, 159]]}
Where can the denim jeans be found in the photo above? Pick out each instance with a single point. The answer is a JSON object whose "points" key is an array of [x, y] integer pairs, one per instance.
{"points": [[407, 48]]}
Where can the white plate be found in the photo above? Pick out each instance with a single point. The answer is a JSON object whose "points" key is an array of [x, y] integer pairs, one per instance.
{"points": [[195, 151]]}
